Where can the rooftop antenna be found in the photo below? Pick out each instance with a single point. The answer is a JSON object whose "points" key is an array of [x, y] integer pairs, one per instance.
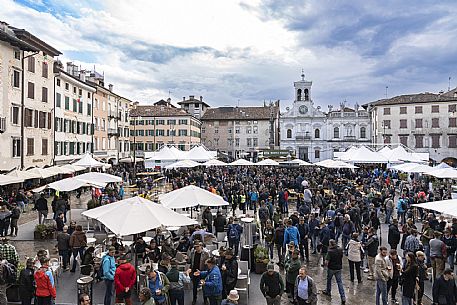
{"points": [[387, 87], [449, 85], [238, 103], [302, 74], [169, 93]]}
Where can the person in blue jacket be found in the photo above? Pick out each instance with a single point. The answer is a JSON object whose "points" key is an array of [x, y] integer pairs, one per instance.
{"points": [[108, 271], [401, 209], [291, 234], [211, 281]]}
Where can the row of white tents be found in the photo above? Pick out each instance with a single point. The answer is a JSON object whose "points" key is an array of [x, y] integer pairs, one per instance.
{"points": [[387, 155]]}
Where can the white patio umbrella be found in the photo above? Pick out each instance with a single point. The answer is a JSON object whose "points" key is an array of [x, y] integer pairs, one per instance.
{"points": [[136, 215], [23, 174], [298, 162], [183, 164], [442, 173], [58, 170], [267, 162], [329, 163], [412, 167], [190, 196], [41, 172], [241, 162], [5, 180], [99, 177], [214, 162], [443, 206], [72, 168], [72, 183], [89, 162]]}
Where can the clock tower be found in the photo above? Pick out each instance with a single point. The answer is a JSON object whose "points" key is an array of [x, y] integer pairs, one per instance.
{"points": [[303, 100]]}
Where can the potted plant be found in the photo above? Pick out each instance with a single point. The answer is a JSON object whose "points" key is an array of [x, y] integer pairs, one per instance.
{"points": [[261, 259], [44, 232]]}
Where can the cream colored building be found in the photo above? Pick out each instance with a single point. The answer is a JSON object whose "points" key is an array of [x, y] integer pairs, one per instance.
{"points": [[73, 115], [153, 126]]}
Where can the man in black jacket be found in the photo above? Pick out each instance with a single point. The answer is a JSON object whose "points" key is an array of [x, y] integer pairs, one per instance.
{"points": [[393, 237], [303, 229], [444, 289], [334, 266], [27, 283], [229, 272], [220, 222], [272, 285], [41, 206]]}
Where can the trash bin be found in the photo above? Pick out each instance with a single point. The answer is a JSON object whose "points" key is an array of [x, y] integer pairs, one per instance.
{"points": [[85, 285]]}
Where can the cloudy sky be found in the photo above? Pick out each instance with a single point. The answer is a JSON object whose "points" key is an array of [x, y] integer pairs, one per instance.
{"points": [[249, 51]]}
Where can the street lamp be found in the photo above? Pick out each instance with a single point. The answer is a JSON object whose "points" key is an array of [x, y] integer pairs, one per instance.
{"points": [[135, 122]]}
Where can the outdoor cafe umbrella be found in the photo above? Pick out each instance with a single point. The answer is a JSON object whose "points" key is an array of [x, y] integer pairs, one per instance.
{"points": [[190, 196], [136, 215], [443, 206], [267, 162]]}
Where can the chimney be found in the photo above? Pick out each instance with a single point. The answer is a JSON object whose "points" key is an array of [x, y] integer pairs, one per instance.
{"points": [[168, 102], [191, 97], [201, 98], [110, 87]]}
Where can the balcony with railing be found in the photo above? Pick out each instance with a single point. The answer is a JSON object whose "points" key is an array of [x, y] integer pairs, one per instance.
{"points": [[303, 135]]}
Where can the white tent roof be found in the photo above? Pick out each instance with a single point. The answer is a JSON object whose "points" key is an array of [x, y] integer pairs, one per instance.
{"points": [[199, 153], [299, 162], [329, 163], [242, 162], [363, 155], [214, 162], [267, 162], [136, 215], [165, 154], [179, 153], [183, 164], [41, 172], [443, 206], [443, 165], [412, 167], [130, 160], [72, 183], [99, 178], [72, 168], [399, 154], [59, 170], [190, 196], [23, 174], [5, 180], [385, 150], [449, 173], [88, 161]]}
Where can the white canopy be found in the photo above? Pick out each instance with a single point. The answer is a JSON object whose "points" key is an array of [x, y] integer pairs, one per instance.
{"points": [[298, 162], [363, 155], [136, 215], [72, 183], [267, 162], [57, 170], [329, 163], [241, 162], [443, 206], [164, 154], [130, 160], [399, 154], [72, 168], [214, 162], [443, 165], [5, 180], [190, 196], [89, 162], [41, 172], [412, 167], [199, 153], [23, 174], [183, 164], [99, 178], [385, 150], [443, 173]]}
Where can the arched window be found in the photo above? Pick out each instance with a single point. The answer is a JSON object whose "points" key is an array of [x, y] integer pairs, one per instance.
{"points": [[299, 95], [306, 92], [289, 133], [363, 132], [336, 133], [317, 154], [317, 133]]}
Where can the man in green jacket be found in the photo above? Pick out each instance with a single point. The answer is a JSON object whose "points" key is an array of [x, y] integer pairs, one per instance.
{"points": [[292, 267]]}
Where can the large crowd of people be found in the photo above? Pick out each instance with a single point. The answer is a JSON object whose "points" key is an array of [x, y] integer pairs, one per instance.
{"points": [[306, 215]]}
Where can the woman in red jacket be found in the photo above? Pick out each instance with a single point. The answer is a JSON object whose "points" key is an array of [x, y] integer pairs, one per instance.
{"points": [[44, 289], [124, 279]]}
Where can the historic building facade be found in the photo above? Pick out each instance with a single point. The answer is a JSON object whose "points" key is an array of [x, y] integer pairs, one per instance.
{"points": [[311, 134]]}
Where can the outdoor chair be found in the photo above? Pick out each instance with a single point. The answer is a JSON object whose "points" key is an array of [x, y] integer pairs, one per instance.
{"points": [[244, 280]]}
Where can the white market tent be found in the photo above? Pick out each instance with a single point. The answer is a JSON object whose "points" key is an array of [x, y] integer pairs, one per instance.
{"points": [[199, 154], [57, 170], [71, 184], [443, 206], [72, 168], [449, 173], [183, 164], [298, 162], [241, 162], [88, 161], [267, 162], [136, 215], [5, 180], [385, 150], [130, 160], [443, 165], [99, 178], [41, 172], [23, 174], [363, 155], [412, 167], [190, 196], [329, 163], [214, 162], [399, 155]]}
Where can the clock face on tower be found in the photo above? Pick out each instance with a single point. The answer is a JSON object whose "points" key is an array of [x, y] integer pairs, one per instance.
{"points": [[303, 109]]}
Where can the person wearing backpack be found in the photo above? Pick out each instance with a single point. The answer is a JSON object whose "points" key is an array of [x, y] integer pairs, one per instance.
{"points": [[45, 290], [27, 283], [234, 232], [108, 270]]}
